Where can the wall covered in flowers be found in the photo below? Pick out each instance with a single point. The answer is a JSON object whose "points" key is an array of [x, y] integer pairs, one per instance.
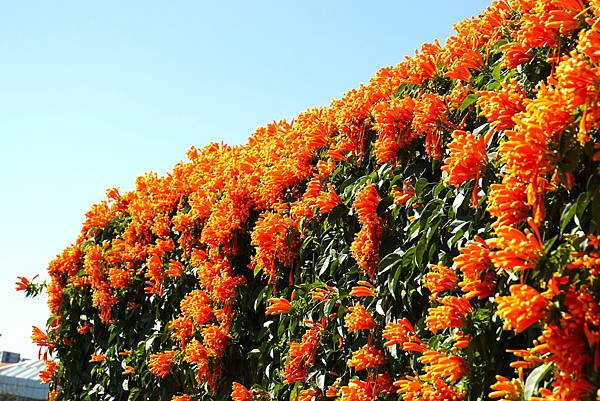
{"points": [[433, 235]]}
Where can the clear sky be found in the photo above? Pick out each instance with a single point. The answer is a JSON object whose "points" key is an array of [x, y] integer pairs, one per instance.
{"points": [[94, 94]]}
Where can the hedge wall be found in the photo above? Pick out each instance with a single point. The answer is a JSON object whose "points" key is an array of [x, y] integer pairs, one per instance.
{"points": [[433, 235]]}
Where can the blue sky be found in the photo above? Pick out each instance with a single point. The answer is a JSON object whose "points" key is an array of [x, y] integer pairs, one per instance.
{"points": [[94, 95]]}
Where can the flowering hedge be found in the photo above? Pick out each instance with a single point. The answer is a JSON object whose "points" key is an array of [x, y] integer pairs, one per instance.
{"points": [[433, 235]]}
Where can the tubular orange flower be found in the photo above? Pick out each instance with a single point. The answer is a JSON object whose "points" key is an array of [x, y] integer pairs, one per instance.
{"points": [[430, 114], [500, 106], [516, 251], [401, 196], [452, 313], [240, 393], [118, 278], [183, 397], [523, 308], [402, 333], [474, 263], [50, 369], [392, 121], [128, 370], [196, 306], [215, 339], [363, 289], [356, 390], [40, 338], [467, 158], [196, 354], [413, 388], [161, 363], [275, 239], [98, 358], [323, 294], [307, 394], [367, 357], [365, 247], [439, 279], [183, 329], [175, 269], [326, 201], [509, 390], [366, 203], [358, 319], [508, 202], [22, 283], [333, 389], [278, 306], [469, 60], [301, 356], [154, 274], [84, 328], [441, 365]]}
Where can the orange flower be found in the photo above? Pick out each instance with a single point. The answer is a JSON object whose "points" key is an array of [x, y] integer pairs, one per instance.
{"points": [[307, 394], [469, 60], [439, 279], [392, 120], [275, 239], [523, 308], [196, 354], [128, 370], [516, 251], [430, 114], [356, 390], [161, 363], [50, 369], [500, 106], [183, 329], [22, 284], [323, 294], [196, 306], [301, 356], [84, 328], [278, 306], [118, 278], [467, 158], [365, 247], [155, 276], [441, 365], [326, 201], [363, 289], [507, 202], [175, 269], [474, 263], [359, 319], [98, 358], [452, 313], [333, 389], [413, 388], [367, 357], [40, 338], [366, 203], [183, 397], [240, 393], [401, 196], [215, 339], [402, 333], [509, 390]]}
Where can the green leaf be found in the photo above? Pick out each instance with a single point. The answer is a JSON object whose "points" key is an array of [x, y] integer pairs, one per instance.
{"points": [[534, 379], [469, 100], [567, 216]]}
